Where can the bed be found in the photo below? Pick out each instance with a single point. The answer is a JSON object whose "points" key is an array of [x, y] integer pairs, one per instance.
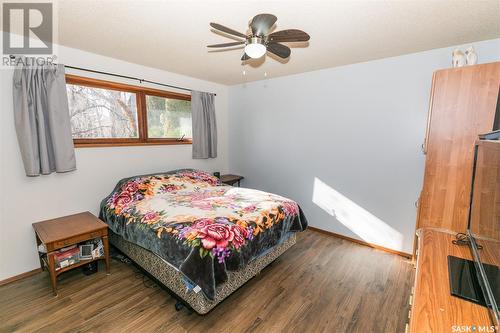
{"points": [[199, 238]]}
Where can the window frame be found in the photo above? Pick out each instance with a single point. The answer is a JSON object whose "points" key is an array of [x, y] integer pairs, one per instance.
{"points": [[142, 119]]}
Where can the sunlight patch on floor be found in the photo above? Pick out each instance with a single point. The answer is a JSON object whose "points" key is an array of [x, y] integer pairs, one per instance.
{"points": [[367, 226]]}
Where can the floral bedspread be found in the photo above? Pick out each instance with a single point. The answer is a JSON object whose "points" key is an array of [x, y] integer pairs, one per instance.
{"points": [[198, 225]]}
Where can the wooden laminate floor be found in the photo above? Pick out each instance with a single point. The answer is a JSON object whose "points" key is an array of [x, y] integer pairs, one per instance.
{"points": [[322, 284]]}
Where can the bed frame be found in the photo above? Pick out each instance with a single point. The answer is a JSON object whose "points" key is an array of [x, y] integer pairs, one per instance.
{"points": [[172, 279]]}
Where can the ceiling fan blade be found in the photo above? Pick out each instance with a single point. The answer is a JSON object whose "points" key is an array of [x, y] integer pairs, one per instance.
{"points": [[227, 44], [245, 57], [290, 35], [262, 23], [280, 50], [227, 30]]}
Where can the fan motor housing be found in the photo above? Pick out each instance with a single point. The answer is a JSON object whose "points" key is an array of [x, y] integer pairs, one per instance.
{"points": [[256, 40]]}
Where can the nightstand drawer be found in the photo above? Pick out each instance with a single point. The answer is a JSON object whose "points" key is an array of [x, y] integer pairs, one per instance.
{"points": [[76, 239]]}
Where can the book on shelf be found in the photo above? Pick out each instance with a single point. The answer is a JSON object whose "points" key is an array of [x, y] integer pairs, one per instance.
{"points": [[67, 258]]}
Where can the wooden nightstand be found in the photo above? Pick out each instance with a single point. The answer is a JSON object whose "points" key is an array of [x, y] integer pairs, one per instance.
{"points": [[231, 179], [66, 231]]}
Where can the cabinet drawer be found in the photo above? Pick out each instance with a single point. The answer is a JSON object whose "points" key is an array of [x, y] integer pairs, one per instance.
{"points": [[76, 239]]}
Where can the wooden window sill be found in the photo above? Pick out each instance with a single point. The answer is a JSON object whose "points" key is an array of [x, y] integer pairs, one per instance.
{"points": [[135, 143]]}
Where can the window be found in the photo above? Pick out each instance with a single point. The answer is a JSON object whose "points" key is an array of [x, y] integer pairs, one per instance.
{"points": [[98, 113], [104, 113], [168, 117]]}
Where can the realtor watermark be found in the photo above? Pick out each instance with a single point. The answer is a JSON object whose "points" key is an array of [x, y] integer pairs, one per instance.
{"points": [[28, 33]]}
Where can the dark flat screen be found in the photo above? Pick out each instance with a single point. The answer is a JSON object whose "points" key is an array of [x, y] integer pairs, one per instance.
{"points": [[496, 122], [464, 282]]}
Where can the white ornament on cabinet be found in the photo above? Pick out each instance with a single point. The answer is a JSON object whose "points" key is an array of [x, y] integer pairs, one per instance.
{"points": [[458, 58], [471, 56]]}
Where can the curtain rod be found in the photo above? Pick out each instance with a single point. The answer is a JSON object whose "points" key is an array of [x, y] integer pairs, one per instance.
{"points": [[130, 78], [124, 77]]}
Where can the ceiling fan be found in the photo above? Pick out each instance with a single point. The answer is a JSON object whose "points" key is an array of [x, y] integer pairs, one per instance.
{"points": [[259, 41]]}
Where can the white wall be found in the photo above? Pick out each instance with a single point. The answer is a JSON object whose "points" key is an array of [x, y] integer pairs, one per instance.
{"points": [[356, 129], [26, 200]]}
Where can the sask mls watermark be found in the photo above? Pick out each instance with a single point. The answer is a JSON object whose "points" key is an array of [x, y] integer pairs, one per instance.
{"points": [[473, 329], [28, 29]]}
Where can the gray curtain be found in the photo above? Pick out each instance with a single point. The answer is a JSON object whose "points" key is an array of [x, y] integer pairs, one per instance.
{"points": [[41, 117], [204, 126]]}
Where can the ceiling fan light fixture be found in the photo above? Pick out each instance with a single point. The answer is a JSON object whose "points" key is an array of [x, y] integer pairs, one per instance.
{"points": [[260, 40], [255, 48]]}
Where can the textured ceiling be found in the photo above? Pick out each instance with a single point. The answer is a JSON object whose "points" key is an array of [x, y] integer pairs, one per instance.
{"points": [[172, 35]]}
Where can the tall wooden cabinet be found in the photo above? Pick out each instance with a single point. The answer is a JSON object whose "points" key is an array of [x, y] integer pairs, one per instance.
{"points": [[462, 105]]}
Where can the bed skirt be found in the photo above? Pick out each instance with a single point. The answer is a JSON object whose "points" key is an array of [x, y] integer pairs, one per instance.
{"points": [[171, 278]]}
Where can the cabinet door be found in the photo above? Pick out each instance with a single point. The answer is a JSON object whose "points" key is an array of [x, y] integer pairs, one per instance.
{"points": [[463, 106]]}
